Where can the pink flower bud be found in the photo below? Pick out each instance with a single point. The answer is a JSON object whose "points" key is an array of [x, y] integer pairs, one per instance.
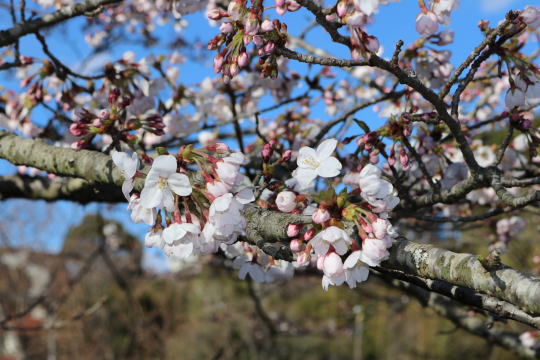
{"points": [[286, 156], [308, 235], [226, 28], [78, 145], [252, 25], [266, 152], [216, 14], [342, 8], [286, 201], [281, 10], [426, 24], [403, 157], [267, 25], [293, 229], [320, 216], [296, 245], [269, 47], [372, 44], [303, 258], [218, 63], [293, 5], [258, 40], [243, 59]]}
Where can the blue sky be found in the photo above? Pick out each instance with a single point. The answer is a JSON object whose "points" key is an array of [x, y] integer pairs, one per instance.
{"points": [[393, 22]]}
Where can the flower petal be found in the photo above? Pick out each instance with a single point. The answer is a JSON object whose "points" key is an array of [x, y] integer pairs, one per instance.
{"points": [[164, 165], [179, 183], [304, 176], [173, 232], [326, 148], [127, 186], [307, 158], [330, 167], [151, 197], [168, 199], [182, 251]]}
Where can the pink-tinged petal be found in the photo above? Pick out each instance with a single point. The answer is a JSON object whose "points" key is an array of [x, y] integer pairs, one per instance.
{"points": [[222, 203], [330, 167], [168, 200], [325, 282], [245, 196], [304, 176], [164, 165], [173, 232], [341, 247], [326, 148], [127, 186], [307, 158], [352, 260], [320, 247], [179, 183], [191, 228], [182, 251], [151, 197]]}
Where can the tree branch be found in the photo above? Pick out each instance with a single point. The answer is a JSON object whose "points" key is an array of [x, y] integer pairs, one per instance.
{"points": [[11, 35]]}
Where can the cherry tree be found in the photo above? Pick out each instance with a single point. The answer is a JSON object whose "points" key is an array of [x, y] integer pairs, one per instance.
{"points": [[211, 173]]}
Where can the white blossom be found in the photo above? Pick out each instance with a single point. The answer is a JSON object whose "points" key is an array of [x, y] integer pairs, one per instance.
{"points": [[313, 163], [128, 166], [161, 182]]}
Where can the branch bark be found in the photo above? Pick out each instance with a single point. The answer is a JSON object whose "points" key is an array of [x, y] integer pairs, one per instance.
{"points": [[9, 36]]}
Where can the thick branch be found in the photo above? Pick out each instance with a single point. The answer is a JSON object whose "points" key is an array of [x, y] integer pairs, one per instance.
{"points": [[43, 188], [11, 35]]}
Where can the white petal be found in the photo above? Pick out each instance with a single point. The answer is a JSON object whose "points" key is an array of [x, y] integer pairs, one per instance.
{"points": [[173, 232], [330, 167], [341, 247], [179, 183], [326, 148], [182, 251], [151, 197], [245, 196], [304, 176], [352, 260], [164, 165], [168, 199], [127, 186], [306, 157]]}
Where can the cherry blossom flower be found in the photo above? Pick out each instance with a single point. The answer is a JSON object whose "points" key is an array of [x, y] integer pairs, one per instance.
{"points": [[426, 24], [286, 201], [514, 98], [161, 182], [355, 270], [373, 251], [180, 239], [331, 236], [128, 166], [332, 267], [139, 213], [154, 238], [320, 216], [313, 163]]}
